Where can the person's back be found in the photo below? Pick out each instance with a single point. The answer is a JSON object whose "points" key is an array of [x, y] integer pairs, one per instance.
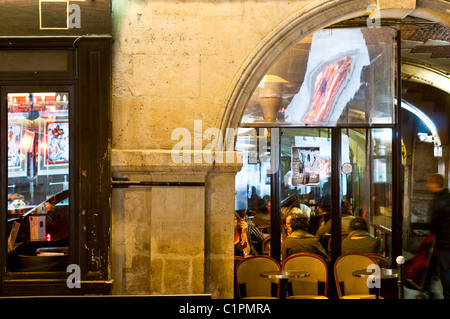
{"points": [[359, 240], [303, 242], [300, 241]]}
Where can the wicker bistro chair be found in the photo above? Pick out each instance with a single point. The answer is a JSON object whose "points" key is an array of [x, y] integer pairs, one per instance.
{"points": [[349, 286], [314, 286], [250, 284]]}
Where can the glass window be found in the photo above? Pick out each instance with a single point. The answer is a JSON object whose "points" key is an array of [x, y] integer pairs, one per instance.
{"points": [[381, 164], [38, 181], [306, 183], [253, 183], [306, 175], [382, 176], [311, 85], [366, 180], [305, 171], [355, 184]]}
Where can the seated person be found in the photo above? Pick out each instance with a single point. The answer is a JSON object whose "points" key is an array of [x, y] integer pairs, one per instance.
{"points": [[255, 236], [346, 218], [299, 240], [359, 240], [286, 229], [292, 207], [242, 244]]}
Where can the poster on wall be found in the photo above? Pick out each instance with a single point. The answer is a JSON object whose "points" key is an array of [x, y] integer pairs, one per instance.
{"points": [[13, 146], [305, 166], [55, 148], [16, 160], [58, 143], [329, 81]]}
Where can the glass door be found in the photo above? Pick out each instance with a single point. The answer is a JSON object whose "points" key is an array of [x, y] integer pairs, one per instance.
{"points": [[306, 178], [366, 184], [38, 174]]}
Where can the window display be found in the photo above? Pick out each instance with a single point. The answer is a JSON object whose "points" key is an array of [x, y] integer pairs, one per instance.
{"points": [[38, 181]]}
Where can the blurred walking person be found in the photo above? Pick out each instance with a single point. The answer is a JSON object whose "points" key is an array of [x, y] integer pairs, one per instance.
{"points": [[440, 227]]}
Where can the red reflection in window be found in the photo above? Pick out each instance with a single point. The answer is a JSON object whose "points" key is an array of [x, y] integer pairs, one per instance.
{"points": [[326, 88]]}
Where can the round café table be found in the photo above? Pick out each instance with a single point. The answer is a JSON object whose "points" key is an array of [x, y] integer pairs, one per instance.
{"points": [[385, 273], [283, 276]]}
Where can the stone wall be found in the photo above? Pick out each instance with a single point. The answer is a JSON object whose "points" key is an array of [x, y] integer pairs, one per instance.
{"points": [[175, 62], [176, 238]]}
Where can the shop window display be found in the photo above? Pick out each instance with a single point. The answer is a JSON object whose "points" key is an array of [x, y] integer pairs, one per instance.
{"points": [[38, 181]]}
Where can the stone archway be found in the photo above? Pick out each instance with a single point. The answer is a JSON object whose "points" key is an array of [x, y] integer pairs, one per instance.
{"points": [[426, 74]]}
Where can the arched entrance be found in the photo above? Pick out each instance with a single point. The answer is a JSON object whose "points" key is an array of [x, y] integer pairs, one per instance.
{"points": [[383, 138]]}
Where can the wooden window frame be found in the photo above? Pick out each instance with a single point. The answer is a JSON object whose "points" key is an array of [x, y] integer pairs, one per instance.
{"points": [[88, 78]]}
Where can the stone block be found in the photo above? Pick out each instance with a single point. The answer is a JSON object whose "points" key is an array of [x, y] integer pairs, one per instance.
{"points": [[130, 14], [220, 276], [175, 7], [156, 283], [396, 8], [224, 8], [165, 75], [177, 276]]}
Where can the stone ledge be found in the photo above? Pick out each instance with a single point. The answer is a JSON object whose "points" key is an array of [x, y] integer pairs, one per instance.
{"points": [[161, 162]]}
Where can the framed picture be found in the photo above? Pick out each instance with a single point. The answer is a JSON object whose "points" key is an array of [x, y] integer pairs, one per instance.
{"points": [[17, 162], [305, 166], [54, 147]]}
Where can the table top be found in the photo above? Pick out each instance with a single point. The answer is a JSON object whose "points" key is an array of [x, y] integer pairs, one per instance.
{"points": [[384, 273], [284, 274]]}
